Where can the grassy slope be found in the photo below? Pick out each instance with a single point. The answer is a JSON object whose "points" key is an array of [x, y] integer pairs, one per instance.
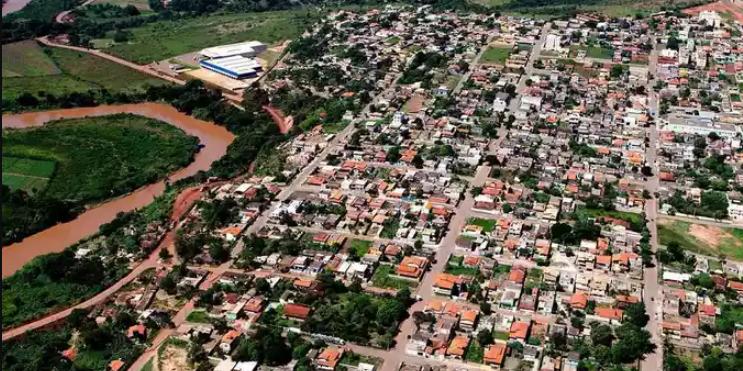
{"points": [[29, 68], [165, 39], [97, 156]]}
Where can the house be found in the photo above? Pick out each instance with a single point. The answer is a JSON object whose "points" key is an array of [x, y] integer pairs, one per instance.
{"points": [[116, 365], [139, 331], [228, 341], [494, 355], [328, 358], [457, 347], [613, 315], [412, 267], [519, 331], [298, 312], [468, 320], [445, 283]]}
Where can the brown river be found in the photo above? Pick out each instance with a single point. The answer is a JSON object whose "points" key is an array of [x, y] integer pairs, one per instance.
{"points": [[214, 138]]}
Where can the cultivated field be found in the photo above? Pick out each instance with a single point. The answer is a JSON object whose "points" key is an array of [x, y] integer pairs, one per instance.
{"points": [[165, 39], [28, 174], [703, 239], [30, 68]]}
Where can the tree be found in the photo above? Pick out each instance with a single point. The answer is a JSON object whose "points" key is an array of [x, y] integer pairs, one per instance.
{"points": [[602, 335], [485, 337], [632, 344], [616, 71], [635, 314], [485, 307], [561, 232]]}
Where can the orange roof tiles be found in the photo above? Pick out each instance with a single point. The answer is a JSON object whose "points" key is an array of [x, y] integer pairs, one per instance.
{"points": [[610, 313], [519, 330], [495, 354], [458, 345]]}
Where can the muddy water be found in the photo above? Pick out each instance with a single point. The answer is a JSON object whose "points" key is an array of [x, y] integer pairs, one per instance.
{"points": [[214, 138]]}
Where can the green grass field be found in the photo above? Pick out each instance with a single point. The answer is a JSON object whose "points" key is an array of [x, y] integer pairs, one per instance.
{"points": [[27, 58], [382, 278], [702, 239], [495, 55], [96, 158], [198, 316], [360, 247], [165, 39], [30, 68], [28, 174], [487, 224]]}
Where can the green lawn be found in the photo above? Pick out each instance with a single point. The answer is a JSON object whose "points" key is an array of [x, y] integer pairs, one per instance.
{"points": [[727, 241], [198, 316], [382, 278], [30, 68], [495, 55], [635, 220], [501, 335], [454, 266], [474, 352], [392, 40], [360, 247], [165, 39], [487, 224], [600, 52], [28, 174]]}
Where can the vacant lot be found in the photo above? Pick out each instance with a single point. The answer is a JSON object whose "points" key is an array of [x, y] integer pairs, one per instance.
{"points": [[28, 174], [383, 278], [165, 39], [30, 68], [703, 239], [495, 55]]}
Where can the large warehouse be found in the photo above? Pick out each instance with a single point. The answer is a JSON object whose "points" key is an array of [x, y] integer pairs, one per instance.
{"points": [[246, 49], [236, 67]]}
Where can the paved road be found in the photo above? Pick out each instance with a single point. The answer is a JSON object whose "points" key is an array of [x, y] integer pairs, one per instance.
{"points": [[425, 289], [652, 295]]}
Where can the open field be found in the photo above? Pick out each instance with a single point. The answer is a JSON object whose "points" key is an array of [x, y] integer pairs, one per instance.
{"points": [[383, 278], [28, 174], [30, 68], [101, 157], [27, 58], [703, 239], [495, 55], [164, 39]]}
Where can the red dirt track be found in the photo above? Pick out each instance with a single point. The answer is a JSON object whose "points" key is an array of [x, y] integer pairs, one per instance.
{"points": [[279, 118]]}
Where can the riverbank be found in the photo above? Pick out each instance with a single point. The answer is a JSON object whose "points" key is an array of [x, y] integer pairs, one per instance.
{"points": [[215, 140]]}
